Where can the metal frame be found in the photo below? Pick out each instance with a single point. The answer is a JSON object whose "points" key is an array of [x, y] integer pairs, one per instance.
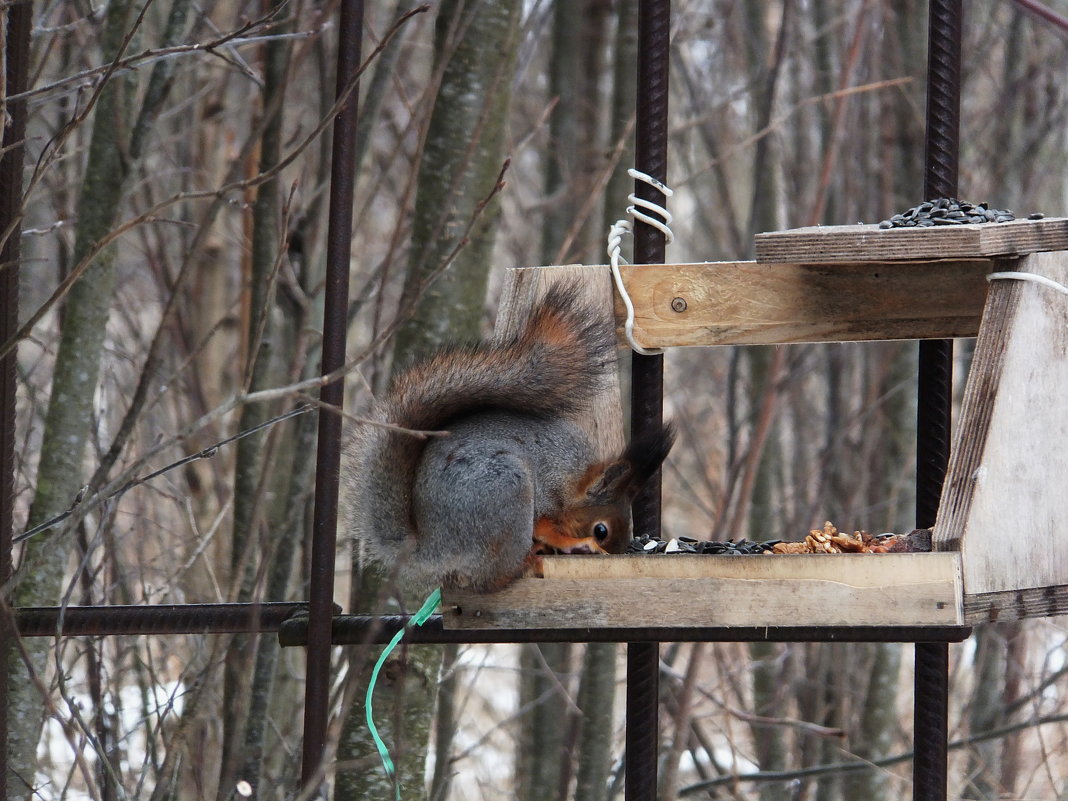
{"points": [[934, 392], [328, 453], [16, 55], [317, 625]]}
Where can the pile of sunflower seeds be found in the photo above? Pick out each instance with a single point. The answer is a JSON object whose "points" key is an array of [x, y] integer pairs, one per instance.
{"points": [[950, 211], [647, 544]]}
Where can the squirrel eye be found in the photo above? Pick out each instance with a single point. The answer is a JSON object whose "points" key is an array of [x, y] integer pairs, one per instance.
{"points": [[600, 531]]}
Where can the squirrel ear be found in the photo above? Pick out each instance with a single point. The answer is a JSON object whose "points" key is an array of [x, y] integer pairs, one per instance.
{"points": [[624, 476]]}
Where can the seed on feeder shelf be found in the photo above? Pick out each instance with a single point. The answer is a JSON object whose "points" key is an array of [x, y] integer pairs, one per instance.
{"points": [[949, 211]]}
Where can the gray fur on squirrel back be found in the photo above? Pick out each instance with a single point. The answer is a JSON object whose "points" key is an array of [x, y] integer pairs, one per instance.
{"points": [[465, 527], [479, 490]]}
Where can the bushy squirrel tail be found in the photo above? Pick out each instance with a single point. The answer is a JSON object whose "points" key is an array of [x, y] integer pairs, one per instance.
{"points": [[554, 367]]}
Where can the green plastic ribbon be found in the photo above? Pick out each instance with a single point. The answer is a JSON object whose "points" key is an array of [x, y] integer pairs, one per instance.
{"points": [[418, 619]]}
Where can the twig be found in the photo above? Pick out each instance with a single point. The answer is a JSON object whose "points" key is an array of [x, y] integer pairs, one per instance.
{"points": [[149, 56], [1045, 13], [781, 119], [748, 717], [205, 453], [152, 214], [849, 767]]}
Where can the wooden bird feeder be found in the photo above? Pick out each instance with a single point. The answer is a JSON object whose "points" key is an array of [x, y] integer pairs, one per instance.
{"points": [[1001, 538]]}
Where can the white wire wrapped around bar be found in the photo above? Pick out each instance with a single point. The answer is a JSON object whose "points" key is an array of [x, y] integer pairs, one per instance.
{"points": [[1032, 277], [616, 232]]}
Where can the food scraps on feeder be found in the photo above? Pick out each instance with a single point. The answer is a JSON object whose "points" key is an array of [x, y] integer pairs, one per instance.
{"points": [[830, 540], [826, 540]]}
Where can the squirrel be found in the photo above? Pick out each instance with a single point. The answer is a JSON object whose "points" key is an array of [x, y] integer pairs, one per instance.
{"points": [[515, 476]]}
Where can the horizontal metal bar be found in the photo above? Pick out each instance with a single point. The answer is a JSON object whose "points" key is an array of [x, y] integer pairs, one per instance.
{"points": [[291, 623], [357, 629], [163, 619]]}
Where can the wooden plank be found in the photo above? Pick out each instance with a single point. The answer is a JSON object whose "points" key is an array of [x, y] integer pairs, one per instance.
{"points": [[635, 591], [836, 243], [749, 303], [990, 607], [522, 288], [1003, 504], [869, 570]]}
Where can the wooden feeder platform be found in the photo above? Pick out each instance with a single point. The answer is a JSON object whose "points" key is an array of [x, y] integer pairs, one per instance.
{"points": [[1001, 538], [838, 243]]}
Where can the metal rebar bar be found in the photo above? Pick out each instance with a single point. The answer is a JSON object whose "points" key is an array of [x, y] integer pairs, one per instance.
{"points": [[328, 456], [363, 629], [934, 391], [290, 620], [73, 621], [930, 771], [647, 382], [16, 64]]}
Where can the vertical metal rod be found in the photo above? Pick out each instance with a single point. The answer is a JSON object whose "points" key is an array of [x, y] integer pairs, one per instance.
{"points": [[328, 456], [647, 382], [16, 61], [934, 391], [930, 772]]}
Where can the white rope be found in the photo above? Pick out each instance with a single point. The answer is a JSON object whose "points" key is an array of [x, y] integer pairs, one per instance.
{"points": [[1032, 277], [637, 210]]}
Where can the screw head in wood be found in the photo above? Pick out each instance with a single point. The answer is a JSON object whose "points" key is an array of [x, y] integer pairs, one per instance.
{"points": [[678, 304]]}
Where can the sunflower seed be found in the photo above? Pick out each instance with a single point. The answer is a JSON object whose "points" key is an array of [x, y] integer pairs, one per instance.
{"points": [[949, 211]]}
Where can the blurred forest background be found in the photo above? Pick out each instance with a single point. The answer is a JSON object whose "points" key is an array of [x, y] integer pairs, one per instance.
{"points": [[172, 251]]}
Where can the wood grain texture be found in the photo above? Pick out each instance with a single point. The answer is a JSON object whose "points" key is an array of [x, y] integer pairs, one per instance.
{"points": [[749, 303], [989, 607], [523, 287], [696, 591], [1003, 503], [835, 243]]}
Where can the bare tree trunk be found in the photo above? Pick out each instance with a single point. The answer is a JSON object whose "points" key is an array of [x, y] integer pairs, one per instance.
{"points": [[875, 735], [597, 686], [763, 208], [907, 21], [249, 661], [462, 157], [596, 700], [986, 711], [682, 724], [1017, 643], [475, 46], [70, 417], [566, 86], [445, 724], [542, 754], [377, 89], [768, 674], [15, 27], [544, 759]]}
